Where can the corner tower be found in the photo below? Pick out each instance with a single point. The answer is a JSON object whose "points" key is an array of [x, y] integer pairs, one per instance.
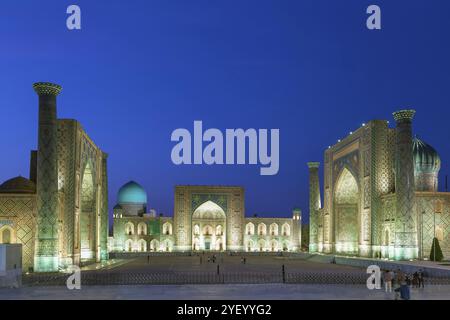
{"points": [[314, 205], [405, 220], [46, 251]]}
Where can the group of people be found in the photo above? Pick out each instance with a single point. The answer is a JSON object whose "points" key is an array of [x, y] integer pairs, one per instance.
{"points": [[209, 259], [402, 282]]}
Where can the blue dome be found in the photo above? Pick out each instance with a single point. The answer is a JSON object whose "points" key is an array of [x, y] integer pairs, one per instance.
{"points": [[426, 159], [132, 192]]}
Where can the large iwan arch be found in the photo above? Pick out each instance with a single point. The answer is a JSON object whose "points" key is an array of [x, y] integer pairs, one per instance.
{"points": [[87, 228], [347, 210], [210, 219]]}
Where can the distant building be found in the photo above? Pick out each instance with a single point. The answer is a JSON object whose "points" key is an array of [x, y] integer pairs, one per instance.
{"points": [[206, 218], [59, 214], [381, 195]]}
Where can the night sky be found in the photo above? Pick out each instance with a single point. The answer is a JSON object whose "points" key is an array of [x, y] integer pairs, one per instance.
{"points": [[140, 69]]}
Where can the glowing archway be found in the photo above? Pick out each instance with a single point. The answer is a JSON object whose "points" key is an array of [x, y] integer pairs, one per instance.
{"points": [[250, 229], [7, 234], [154, 245], [209, 227], [346, 203], [87, 221]]}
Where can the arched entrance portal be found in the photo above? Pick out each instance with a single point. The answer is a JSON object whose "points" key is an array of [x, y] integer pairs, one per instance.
{"points": [[346, 204], [7, 235], [209, 227], [87, 216]]}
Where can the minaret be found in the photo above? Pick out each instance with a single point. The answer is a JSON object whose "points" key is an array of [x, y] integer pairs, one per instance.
{"points": [[46, 251], [405, 221], [297, 229], [314, 205]]}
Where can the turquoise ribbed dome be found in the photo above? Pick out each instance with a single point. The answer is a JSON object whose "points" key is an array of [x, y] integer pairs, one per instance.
{"points": [[426, 158], [132, 192]]}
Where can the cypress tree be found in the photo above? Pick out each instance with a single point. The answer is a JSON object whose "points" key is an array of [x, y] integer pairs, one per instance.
{"points": [[436, 252]]}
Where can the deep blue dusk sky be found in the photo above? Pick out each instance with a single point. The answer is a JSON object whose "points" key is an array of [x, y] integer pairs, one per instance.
{"points": [[140, 69]]}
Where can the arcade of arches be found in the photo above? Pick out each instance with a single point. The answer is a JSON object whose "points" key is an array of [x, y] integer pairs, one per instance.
{"points": [[207, 218]]}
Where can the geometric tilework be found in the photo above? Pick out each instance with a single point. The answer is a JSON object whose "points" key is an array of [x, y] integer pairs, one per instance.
{"points": [[431, 221], [314, 206], [47, 183], [49, 217], [19, 212], [405, 224], [394, 219]]}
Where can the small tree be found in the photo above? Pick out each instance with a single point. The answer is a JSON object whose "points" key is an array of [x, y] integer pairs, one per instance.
{"points": [[436, 252]]}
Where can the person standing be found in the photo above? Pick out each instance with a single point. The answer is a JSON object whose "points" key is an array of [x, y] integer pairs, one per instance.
{"points": [[399, 280], [387, 281], [421, 279], [415, 280], [400, 277]]}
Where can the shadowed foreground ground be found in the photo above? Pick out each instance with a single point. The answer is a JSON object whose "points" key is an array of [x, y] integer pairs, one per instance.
{"points": [[220, 292], [227, 291]]}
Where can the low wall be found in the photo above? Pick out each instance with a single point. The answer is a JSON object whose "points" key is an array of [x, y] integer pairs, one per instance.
{"points": [[392, 265], [10, 265], [11, 278]]}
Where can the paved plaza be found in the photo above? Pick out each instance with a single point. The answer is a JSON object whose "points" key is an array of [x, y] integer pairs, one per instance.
{"points": [[227, 291], [227, 263], [220, 292]]}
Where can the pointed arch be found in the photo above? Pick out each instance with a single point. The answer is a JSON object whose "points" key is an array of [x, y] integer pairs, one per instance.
{"points": [[196, 244], [129, 245], [274, 245], [209, 210], [154, 245], [262, 229], [286, 229], [142, 229], [250, 229], [347, 188], [249, 245], [347, 211], [129, 228], [7, 234], [262, 245], [167, 245], [167, 228], [196, 229], [273, 229], [87, 228], [207, 230]]}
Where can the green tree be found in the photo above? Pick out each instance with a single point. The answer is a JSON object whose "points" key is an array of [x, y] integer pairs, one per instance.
{"points": [[436, 252]]}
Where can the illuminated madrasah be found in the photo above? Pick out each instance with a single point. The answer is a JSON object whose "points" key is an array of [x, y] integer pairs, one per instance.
{"points": [[381, 200], [59, 214], [381, 195], [206, 218]]}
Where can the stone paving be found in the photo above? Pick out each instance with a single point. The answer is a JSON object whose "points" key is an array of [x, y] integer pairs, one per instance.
{"points": [[229, 264], [220, 292]]}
